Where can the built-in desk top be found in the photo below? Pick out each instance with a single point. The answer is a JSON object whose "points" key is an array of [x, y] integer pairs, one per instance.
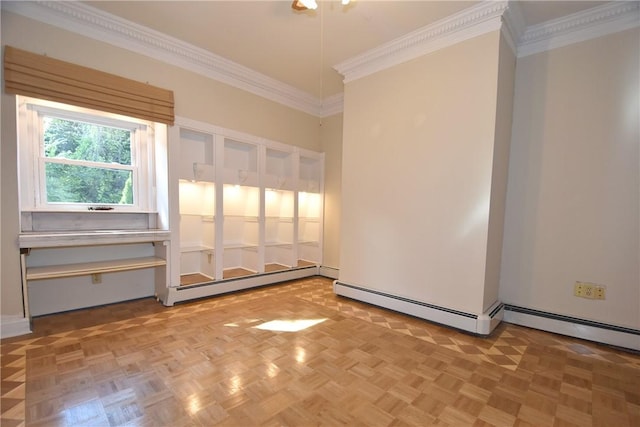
{"points": [[52, 239]]}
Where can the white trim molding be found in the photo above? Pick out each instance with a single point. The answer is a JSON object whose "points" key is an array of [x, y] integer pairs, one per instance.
{"points": [[596, 22], [573, 327], [332, 105], [479, 324], [330, 272], [466, 24], [13, 326], [105, 27], [513, 25], [482, 18]]}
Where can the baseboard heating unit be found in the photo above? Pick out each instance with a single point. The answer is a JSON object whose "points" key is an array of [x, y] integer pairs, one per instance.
{"points": [[574, 327], [479, 324], [178, 294]]}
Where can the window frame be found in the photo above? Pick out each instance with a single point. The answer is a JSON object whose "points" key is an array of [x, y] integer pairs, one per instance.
{"points": [[32, 159]]}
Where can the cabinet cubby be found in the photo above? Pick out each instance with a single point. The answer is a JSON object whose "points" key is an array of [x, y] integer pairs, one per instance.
{"points": [[240, 163], [310, 174], [197, 232], [278, 170], [279, 230], [241, 231], [309, 227], [196, 156]]}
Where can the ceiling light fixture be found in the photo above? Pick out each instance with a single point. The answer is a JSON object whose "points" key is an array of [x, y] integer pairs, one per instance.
{"points": [[310, 4], [304, 4]]}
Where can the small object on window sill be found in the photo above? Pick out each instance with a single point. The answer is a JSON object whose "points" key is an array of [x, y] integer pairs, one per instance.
{"points": [[100, 208]]}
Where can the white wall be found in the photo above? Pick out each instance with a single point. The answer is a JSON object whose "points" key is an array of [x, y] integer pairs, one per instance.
{"points": [[500, 168], [574, 181], [331, 136], [418, 154], [11, 301]]}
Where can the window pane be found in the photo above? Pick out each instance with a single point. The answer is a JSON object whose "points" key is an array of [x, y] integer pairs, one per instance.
{"points": [[82, 184], [70, 139]]}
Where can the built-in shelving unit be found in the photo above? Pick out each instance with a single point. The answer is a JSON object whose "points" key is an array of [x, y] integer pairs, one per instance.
{"points": [[250, 211]]}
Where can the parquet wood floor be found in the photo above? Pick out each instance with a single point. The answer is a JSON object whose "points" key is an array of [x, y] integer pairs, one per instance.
{"points": [[227, 361]]}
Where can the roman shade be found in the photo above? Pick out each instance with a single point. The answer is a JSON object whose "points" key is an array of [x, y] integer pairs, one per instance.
{"points": [[39, 76]]}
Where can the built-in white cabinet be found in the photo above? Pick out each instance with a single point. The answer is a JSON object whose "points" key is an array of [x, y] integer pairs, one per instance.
{"points": [[249, 211]]}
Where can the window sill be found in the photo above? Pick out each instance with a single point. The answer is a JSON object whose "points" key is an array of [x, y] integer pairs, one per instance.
{"points": [[86, 210]]}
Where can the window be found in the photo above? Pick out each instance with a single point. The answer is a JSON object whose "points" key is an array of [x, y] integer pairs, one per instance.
{"points": [[73, 158]]}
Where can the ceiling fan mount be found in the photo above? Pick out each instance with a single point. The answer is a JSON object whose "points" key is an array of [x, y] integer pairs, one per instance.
{"points": [[297, 5], [301, 5]]}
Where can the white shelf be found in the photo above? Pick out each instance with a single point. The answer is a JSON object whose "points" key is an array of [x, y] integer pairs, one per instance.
{"points": [[241, 246], [204, 217], [248, 218], [88, 268], [279, 244], [186, 249], [279, 219]]}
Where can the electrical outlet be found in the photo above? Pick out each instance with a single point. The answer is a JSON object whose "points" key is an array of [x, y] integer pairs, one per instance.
{"points": [[589, 290], [96, 278], [578, 289]]}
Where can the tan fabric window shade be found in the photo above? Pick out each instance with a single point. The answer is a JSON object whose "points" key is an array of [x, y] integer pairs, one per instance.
{"points": [[39, 76]]}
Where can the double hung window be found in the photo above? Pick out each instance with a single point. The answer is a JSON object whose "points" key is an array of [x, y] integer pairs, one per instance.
{"points": [[74, 158]]}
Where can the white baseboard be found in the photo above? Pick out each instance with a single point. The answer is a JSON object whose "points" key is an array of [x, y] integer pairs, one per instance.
{"points": [[13, 326], [573, 327], [330, 272], [481, 324]]}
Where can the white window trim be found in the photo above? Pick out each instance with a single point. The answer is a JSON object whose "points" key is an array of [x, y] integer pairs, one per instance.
{"points": [[31, 155]]}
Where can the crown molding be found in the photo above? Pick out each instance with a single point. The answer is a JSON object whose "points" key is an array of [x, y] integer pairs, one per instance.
{"points": [[485, 17], [595, 22], [96, 24], [513, 25], [332, 105], [466, 24]]}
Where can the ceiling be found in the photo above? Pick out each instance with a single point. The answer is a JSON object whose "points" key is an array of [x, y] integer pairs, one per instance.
{"points": [[300, 48]]}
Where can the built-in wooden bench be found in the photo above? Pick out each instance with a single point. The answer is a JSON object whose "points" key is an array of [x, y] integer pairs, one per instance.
{"points": [[88, 268]]}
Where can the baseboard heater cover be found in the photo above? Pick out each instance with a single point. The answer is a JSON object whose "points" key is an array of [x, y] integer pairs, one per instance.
{"points": [[187, 293], [574, 327], [479, 324]]}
